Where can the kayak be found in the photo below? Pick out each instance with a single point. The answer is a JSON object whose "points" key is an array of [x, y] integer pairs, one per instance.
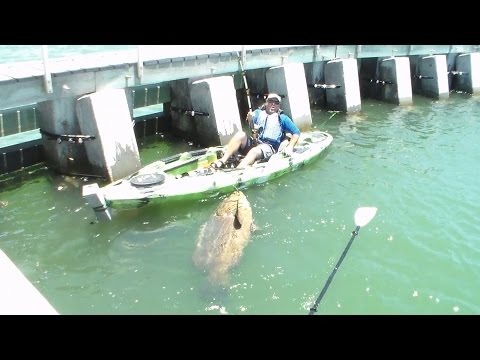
{"points": [[188, 176]]}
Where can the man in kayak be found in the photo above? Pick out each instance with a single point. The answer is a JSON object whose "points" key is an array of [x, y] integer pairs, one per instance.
{"points": [[269, 126]]}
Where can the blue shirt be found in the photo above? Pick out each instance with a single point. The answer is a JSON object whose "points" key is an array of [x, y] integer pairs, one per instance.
{"points": [[272, 127]]}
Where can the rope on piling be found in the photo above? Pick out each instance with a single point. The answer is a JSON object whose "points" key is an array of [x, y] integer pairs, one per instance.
{"points": [[78, 139], [379, 82], [189, 112]]}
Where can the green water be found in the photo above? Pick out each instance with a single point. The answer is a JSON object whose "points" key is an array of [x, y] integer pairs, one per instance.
{"points": [[418, 165]]}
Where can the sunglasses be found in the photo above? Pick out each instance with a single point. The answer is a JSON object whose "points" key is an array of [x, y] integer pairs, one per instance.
{"points": [[276, 102]]}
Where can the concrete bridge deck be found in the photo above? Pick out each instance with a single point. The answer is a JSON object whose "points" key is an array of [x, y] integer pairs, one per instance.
{"points": [[31, 82]]}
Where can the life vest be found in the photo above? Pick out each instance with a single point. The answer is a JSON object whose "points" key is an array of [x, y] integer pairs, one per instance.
{"points": [[269, 127]]}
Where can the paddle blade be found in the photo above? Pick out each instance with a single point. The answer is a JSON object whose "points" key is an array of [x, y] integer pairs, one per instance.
{"points": [[363, 215]]}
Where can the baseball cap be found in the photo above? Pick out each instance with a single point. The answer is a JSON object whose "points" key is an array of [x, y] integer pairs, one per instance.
{"points": [[274, 96]]}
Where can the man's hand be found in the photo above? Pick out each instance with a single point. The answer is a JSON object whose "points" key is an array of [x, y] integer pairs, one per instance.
{"points": [[287, 151], [249, 117]]}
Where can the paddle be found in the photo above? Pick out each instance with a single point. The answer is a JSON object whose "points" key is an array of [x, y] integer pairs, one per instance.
{"points": [[362, 217]]}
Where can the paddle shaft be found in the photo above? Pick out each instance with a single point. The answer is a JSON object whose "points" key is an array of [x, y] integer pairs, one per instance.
{"points": [[313, 309]]}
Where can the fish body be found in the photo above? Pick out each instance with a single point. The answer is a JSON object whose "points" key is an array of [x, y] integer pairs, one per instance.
{"points": [[223, 237]]}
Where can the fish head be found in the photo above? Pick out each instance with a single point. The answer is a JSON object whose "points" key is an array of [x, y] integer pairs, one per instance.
{"points": [[229, 205]]}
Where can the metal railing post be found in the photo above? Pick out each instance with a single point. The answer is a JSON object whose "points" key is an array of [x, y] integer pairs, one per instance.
{"points": [[140, 62], [47, 77]]}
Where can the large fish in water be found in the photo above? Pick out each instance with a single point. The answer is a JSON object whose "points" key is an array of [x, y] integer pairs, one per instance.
{"points": [[223, 237]]}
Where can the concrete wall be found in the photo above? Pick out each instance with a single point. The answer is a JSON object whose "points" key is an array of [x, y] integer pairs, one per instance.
{"points": [[395, 83], [59, 117], [18, 295], [434, 66], [182, 124], [106, 115], [468, 79], [217, 97], [289, 80], [343, 72]]}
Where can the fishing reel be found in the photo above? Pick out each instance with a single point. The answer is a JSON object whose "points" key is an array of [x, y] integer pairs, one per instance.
{"points": [[255, 131], [253, 127]]}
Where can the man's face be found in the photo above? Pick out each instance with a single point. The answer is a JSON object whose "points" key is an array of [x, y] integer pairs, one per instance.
{"points": [[272, 106]]}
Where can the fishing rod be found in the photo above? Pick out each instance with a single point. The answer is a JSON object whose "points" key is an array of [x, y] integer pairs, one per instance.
{"points": [[247, 90], [362, 217]]}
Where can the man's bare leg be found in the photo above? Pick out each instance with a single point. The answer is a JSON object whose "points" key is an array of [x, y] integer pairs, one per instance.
{"points": [[239, 139], [254, 154]]}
